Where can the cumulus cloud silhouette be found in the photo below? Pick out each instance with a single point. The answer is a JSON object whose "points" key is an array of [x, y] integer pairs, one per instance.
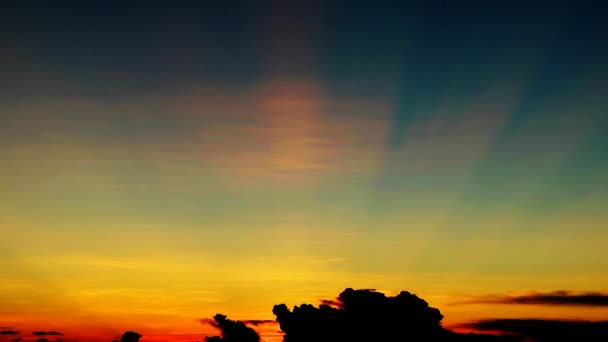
{"points": [[546, 330], [17, 339], [549, 298], [367, 315], [360, 315], [231, 331], [45, 333], [42, 339]]}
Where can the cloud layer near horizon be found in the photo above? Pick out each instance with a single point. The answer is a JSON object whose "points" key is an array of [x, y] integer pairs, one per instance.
{"points": [[546, 330], [565, 298]]}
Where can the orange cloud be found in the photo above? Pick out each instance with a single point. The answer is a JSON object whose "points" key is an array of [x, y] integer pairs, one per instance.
{"points": [[293, 131]]}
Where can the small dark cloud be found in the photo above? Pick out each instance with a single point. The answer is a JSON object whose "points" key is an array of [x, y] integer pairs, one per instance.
{"points": [[9, 332], [42, 339], [17, 339], [546, 330], [564, 298], [231, 331], [130, 336], [257, 322], [47, 333]]}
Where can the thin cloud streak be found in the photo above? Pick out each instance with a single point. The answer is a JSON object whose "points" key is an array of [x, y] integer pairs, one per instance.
{"points": [[257, 322], [45, 333], [564, 298]]}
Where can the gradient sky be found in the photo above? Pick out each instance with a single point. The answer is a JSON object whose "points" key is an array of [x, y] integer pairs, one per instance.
{"points": [[162, 163]]}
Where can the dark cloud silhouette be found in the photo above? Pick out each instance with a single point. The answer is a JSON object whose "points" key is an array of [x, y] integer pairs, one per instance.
{"points": [[47, 333], [546, 330], [17, 339], [42, 339], [367, 315], [231, 331], [130, 336], [9, 332], [549, 298], [360, 315]]}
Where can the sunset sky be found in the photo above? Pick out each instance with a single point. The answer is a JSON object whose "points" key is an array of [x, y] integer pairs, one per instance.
{"points": [[163, 162]]}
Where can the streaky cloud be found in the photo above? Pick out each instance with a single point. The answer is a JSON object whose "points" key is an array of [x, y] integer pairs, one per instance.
{"points": [[45, 333], [565, 298], [257, 322], [9, 332]]}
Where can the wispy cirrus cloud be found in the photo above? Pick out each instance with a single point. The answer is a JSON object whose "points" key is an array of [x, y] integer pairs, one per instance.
{"points": [[295, 131]]}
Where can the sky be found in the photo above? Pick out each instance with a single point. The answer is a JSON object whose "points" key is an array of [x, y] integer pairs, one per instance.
{"points": [[163, 162]]}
